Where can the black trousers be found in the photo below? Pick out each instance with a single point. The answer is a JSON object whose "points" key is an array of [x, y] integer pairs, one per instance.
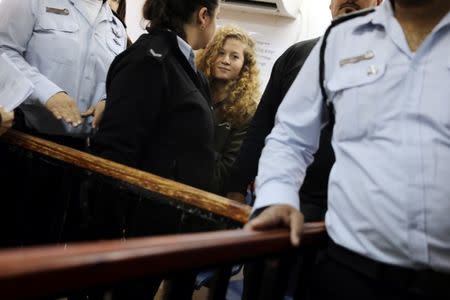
{"points": [[45, 206], [293, 271], [342, 274]]}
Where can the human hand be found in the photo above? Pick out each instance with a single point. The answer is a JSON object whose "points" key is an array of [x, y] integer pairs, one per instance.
{"points": [[96, 111], [236, 197], [6, 120], [278, 216], [64, 107]]}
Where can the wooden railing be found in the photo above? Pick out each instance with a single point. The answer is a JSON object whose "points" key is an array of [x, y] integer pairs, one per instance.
{"points": [[51, 270], [171, 189], [55, 270]]}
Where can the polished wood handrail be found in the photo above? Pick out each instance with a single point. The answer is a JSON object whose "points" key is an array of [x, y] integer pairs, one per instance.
{"points": [[169, 188], [39, 271]]}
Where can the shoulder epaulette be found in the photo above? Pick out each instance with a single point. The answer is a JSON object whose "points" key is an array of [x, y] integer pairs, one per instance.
{"points": [[334, 23], [157, 48]]}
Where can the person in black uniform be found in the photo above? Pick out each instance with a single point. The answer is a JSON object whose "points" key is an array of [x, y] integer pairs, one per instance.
{"points": [[157, 119], [157, 116]]}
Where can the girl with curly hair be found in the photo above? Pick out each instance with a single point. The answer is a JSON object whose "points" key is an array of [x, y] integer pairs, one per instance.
{"points": [[229, 64]]}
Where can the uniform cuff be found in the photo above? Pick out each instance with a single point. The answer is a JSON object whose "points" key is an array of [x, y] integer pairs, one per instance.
{"points": [[44, 90], [272, 193]]}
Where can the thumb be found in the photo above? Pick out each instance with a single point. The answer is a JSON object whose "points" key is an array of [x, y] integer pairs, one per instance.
{"points": [[89, 112]]}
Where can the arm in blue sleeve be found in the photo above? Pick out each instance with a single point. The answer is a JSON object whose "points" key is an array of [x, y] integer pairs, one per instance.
{"points": [[290, 147], [17, 22]]}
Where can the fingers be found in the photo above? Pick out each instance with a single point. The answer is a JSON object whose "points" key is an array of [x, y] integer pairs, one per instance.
{"points": [[73, 113], [266, 220], [98, 113], [296, 225], [6, 118], [64, 107], [88, 113], [279, 216]]}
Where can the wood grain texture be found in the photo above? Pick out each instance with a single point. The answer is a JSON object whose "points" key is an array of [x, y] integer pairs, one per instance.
{"points": [[172, 189], [40, 271]]}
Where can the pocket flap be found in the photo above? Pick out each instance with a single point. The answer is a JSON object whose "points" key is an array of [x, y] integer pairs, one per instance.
{"points": [[55, 22], [353, 75]]}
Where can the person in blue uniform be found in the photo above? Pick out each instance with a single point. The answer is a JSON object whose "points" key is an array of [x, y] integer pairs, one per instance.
{"points": [[388, 201], [65, 48]]}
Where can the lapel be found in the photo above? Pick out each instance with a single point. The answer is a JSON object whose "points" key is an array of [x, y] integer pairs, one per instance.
{"points": [[76, 4], [105, 13]]}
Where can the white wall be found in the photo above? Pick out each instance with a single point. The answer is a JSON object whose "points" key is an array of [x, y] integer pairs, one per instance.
{"points": [[273, 34], [134, 18]]}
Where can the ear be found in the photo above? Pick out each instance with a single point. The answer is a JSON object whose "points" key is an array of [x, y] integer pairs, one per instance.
{"points": [[203, 17]]}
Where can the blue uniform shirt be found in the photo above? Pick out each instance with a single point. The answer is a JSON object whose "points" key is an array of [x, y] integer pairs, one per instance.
{"points": [[389, 191], [58, 49]]}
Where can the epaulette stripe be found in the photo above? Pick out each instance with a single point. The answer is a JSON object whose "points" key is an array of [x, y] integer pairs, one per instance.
{"points": [[322, 56], [324, 43], [335, 22]]}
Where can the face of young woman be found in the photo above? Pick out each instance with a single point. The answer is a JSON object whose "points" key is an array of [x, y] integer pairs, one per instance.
{"points": [[229, 61]]}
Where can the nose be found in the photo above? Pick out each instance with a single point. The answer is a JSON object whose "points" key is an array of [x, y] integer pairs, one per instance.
{"points": [[226, 60]]}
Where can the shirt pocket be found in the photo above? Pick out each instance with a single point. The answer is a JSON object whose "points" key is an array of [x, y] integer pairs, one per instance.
{"points": [[353, 92], [58, 37]]}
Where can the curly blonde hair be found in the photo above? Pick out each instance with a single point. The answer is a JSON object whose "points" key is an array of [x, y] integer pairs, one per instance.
{"points": [[243, 93]]}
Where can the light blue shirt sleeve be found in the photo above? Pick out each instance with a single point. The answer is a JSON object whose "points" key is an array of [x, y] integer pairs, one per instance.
{"points": [[290, 146], [16, 28]]}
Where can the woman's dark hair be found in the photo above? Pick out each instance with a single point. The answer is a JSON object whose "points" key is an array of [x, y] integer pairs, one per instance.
{"points": [[173, 14], [122, 9]]}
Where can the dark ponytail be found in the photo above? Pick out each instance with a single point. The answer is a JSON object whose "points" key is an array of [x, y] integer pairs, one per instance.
{"points": [[122, 9], [173, 14]]}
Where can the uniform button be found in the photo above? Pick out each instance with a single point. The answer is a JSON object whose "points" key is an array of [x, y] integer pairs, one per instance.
{"points": [[373, 70]]}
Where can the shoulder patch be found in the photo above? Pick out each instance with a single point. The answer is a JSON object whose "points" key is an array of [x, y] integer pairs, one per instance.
{"points": [[157, 48]]}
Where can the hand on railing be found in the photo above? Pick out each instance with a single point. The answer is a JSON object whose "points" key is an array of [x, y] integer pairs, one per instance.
{"points": [[279, 216]]}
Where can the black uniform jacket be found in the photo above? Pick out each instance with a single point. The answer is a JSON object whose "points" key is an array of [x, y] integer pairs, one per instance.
{"points": [[157, 116], [315, 185]]}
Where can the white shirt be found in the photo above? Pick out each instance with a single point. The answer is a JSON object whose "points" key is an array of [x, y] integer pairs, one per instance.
{"points": [[389, 190]]}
